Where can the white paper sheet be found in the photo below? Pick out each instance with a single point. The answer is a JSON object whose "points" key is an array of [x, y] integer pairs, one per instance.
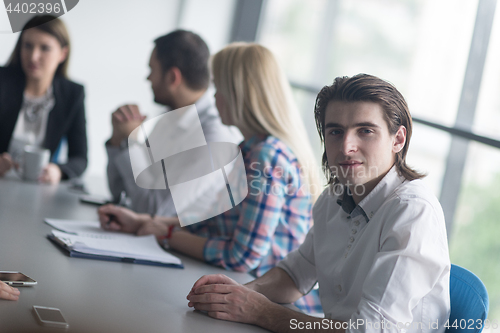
{"points": [[88, 237]]}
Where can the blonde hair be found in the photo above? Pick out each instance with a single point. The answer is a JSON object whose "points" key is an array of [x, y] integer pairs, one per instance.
{"points": [[260, 101]]}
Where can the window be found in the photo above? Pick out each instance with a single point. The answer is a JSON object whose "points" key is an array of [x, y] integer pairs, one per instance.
{"points": [[474, 240], [420, 46]]}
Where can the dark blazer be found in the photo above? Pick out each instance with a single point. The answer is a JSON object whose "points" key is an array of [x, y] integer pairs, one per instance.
{"points": [[66, 119]]}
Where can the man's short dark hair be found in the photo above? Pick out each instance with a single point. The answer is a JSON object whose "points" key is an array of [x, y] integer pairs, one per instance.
{"points": [[188, 52]]}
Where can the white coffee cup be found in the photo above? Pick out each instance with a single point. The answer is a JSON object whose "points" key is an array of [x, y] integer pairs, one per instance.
{"points": [[35, 159]]}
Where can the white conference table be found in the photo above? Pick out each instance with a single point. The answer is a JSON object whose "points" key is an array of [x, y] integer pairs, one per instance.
{"points": [[93, 295]]}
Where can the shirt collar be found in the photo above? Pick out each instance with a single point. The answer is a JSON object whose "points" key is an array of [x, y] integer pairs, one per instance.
{"points": [[349, 206], [202, 106], [346, 202], [372, 202]]}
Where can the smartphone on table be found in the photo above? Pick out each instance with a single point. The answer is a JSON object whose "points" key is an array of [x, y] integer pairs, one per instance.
{"points": [[16, 279], [51, 317]]}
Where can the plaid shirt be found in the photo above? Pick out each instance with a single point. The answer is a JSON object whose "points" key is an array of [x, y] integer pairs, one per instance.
{"points": [[270, 222]]}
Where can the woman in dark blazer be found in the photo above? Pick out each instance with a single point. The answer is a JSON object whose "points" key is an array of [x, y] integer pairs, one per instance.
{"points": [[38, 104]]}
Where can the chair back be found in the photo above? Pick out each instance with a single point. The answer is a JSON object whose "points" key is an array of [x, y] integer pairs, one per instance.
{"points": [[468, 300]]}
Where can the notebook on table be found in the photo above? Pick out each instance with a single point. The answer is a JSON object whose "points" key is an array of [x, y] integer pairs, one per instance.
{"points": [[86, 239]]}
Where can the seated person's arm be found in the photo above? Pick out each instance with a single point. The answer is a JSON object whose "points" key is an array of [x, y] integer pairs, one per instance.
{"points": [[120, 177], [252, 227], [116, 218], [6, 163], [276, 285], [255, 302], [9, 293], [257, 219], [51, 174], [223, 298], [124, 120]]}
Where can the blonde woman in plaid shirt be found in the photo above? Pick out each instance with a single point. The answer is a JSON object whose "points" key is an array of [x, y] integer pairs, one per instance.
{"points": [[283, 180]]}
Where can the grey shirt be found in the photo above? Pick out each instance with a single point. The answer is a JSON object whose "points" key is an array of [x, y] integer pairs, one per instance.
{"points": [[159, 202]]}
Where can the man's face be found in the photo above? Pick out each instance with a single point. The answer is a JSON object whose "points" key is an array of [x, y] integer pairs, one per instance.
{"points": [[359, 148], [159, 84]]}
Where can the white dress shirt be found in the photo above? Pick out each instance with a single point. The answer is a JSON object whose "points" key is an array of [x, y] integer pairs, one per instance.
{"points": [[386, 261]]}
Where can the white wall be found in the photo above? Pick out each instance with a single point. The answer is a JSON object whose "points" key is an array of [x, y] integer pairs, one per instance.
{"points": [[211, 19]]}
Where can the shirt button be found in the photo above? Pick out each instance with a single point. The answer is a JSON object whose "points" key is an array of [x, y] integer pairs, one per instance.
{"points": [[349, 246], [356, 223], [351, 239], [354, 231], [339, 288]]}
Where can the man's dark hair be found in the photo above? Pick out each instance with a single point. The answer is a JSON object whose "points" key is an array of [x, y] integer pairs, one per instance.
{"points": [[188, 52], [368, 88]]}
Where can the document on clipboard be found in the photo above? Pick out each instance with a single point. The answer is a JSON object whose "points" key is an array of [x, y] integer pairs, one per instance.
{"points": [[86, 239]]}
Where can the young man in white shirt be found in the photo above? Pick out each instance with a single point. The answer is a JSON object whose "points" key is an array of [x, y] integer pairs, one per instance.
{"points": [[378, 248]]}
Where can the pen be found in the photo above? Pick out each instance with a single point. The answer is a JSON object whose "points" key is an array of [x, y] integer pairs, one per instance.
{"points": [[123, 203]]}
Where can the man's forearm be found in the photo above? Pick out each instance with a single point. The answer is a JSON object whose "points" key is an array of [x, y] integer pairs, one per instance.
{"points": [[279, 287], [168, 221], [277, 318], [276, 285]]}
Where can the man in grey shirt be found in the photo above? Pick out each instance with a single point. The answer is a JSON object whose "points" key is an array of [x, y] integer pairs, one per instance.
{"points": [[179, 77]]}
